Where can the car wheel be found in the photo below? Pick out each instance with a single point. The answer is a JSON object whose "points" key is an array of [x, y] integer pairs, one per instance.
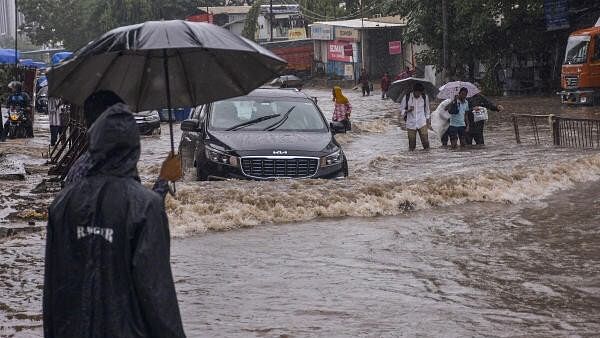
{"points": [[345, 167], [201, 175]]}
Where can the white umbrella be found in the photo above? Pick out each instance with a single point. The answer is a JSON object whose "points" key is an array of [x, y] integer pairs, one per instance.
{"points": [[451, 89]]}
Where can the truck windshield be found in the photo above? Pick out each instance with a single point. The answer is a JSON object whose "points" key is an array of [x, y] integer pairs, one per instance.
{"points": [[577, 50]]}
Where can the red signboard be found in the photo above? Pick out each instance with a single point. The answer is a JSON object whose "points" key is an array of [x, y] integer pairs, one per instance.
{"points": [[336, 52], [348, 50], [200, 18], [395, 47]]}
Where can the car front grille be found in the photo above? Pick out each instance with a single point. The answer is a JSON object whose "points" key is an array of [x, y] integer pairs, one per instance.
{"points": [[572, 81], [292, 167]]}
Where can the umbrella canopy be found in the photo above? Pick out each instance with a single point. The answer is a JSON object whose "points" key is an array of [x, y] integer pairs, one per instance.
{"points": [[405, 86], [202, 62], [165, 64], [451, 89], [287, 80], [59, 57], [8, 56]]}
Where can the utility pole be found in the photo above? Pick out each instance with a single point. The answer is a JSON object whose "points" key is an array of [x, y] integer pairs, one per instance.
{"points": [[445, 39], [16, 40], [362, 35], [271, 18]]}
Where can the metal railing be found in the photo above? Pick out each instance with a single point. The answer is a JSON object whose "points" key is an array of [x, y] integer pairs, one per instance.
{"points": [[556, 130]]}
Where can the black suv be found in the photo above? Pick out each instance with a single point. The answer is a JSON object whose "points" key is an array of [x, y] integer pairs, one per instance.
{"points": [[268, 134]]}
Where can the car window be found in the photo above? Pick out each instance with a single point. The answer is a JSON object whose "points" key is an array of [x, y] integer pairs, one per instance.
{"points": [[303, 117], [198, 112]]}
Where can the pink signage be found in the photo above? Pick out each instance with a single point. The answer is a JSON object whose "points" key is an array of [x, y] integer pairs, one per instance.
{"points": [[395, 47], [336, 52]]}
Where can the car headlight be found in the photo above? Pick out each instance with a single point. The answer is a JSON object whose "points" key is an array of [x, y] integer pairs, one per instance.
{"points": [[332, 159], [221, 157]]}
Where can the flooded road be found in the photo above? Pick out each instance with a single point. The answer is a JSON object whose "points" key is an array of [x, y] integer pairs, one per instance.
{"points": [[494, 241]]}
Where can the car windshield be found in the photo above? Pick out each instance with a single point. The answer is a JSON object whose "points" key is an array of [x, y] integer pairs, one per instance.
{"points": [[258, 113], [577, 50]]}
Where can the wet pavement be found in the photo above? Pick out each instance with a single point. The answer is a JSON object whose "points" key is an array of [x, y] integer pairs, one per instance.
{"points": [[493, 241]]}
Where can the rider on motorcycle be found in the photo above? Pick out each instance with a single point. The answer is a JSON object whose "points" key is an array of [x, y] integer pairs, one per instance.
{"points": [[20, 100]]}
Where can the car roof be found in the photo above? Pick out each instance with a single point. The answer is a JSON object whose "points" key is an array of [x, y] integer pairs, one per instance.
{"points": [[277, 93]]}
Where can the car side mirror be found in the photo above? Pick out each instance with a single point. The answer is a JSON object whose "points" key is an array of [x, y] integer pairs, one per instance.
{"points": [[337, 127], [190, 125]]}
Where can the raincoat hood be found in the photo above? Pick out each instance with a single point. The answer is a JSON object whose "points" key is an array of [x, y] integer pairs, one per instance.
{"points": [[338, 96], [114, 143]]}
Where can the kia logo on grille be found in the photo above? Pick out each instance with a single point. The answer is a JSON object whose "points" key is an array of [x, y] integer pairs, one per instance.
{"points": [[279, 152]]}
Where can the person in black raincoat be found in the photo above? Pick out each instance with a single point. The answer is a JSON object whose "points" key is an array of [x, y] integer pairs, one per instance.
{"points": [[107, 268]]}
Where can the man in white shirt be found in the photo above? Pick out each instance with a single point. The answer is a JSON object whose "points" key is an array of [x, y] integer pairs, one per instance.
{"points": [[416, 113]]}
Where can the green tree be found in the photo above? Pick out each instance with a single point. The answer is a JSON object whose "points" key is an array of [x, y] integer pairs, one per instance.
{"points": [[75, 22], [251, 23]]}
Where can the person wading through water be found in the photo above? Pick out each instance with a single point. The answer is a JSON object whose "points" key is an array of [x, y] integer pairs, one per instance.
{"points": [[342, 108], [107, 262], [416, 113]]}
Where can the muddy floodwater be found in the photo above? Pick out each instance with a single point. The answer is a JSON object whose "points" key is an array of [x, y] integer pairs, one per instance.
{"points": [[495, 241]]}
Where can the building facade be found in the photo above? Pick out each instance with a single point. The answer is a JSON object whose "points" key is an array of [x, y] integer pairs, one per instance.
{"points": [[340, 47]]}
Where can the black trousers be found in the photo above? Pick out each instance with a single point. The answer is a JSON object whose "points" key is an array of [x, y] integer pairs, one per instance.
{"points": [[55, 131], [366, 89], [476, 133]]}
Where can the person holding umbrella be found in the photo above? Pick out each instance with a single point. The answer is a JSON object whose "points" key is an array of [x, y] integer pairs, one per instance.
{"points": [[459, 124], [107, 262], [416, 113]]}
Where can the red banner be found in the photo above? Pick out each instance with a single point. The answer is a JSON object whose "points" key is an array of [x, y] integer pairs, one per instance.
{"points": [[337, 51], [395, 47]]}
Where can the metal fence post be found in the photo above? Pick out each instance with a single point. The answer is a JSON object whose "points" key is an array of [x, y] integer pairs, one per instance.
{"points": [[555, 127], [516, 126]]}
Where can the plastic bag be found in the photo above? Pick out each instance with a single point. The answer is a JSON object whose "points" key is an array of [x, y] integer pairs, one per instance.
{"points": [[440, 118], [480, 114]]}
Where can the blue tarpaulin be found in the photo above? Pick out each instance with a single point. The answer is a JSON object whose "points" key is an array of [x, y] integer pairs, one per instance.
{"points": [[8, 56], [59, 57]]}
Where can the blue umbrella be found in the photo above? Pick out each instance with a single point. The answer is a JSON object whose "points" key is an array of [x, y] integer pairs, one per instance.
{"points": [[26, 62], [39, 64], [8, 56], [60, 57]]}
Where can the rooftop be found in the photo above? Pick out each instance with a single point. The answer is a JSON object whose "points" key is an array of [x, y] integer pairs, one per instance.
{"points": [[358, 23], [226, 9]]}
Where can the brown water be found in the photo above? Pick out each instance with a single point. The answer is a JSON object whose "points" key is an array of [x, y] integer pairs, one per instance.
{"points": [[497, 241]]}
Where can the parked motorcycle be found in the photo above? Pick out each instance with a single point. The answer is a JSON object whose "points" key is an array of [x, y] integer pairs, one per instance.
{"points": [[41, 102], [17, 123]]}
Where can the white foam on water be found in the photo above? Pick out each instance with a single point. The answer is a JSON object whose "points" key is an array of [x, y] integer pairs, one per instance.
{"points": [[203, 206]]}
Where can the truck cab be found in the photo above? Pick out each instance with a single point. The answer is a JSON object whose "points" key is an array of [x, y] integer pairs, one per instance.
{"points": [[580, 76]]}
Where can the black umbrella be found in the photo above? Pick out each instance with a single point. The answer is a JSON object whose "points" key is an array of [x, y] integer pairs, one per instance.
{"points": [[165, 64], [405, 86]]}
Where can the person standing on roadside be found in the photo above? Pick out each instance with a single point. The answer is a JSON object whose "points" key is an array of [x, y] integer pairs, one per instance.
{"points": [[55, 119], [385, 85], [416, 113], [459, 124], [364, 82], [107, 265]]}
